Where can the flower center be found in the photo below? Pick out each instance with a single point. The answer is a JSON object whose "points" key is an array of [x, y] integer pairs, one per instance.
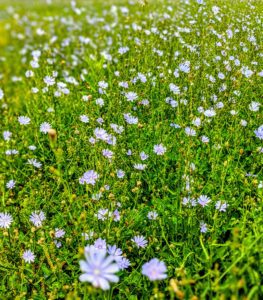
{"points": [[96, 272]]}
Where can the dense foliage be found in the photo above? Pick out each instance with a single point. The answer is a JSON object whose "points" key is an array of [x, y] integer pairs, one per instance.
{"points": [[135, 129]]}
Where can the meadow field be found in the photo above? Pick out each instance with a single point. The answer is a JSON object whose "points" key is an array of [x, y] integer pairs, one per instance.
{"points": [[131, 149]]}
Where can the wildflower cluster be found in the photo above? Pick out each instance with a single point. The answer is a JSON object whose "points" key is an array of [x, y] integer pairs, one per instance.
{"points": [[131, 149]]}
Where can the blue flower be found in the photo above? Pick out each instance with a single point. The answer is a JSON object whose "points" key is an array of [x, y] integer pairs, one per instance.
{"points": [[259, 132], [89, 177], [98, 269], [140, 241], [154, 269]]}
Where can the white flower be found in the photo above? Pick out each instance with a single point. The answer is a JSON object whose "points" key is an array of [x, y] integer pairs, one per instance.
{"points": [[140, 241], [37, 218], [123, 50], [139, 166], [102, 214], [59, 233], [84, 119], [152, 215], [45, 127], [120, 174], [243, 123], [212, 78], [185, 66], [28, 256], [142, 77], [107, 153], [131, 96], [176, 73], [209, 113], [101, 134], [11, 152], [100, 244], [24, 120], [189, 131], [89, 177], [34, 64], [254, 106], [203, 227], [34, 90], [99, 102], [92, 140], [203, 200], [221, 206], [143, 156], [159, 149], [40, 31], [88, 235], [144, 102], [130, 119], [174, 88], [49, 80], [7, 135], [100, 120], [103, 85], [29, 74], [175, 125], [171, 101], [98, 268], [215, 9], [246, 72], [1, 94], [32, 147], [205, 139], [11, 184], [96, 197], [115, 252], [154, 269], [124, 84], [123, 263], [5, 220], [50, 109], [34, 162], [197, 122], [221, 75], [259, 132], [36, 54], [219, 105], [118, 129], [233, 112], [57, 243]]}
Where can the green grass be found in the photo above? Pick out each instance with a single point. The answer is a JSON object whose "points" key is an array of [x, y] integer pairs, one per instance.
{"points": [[223, 263]]}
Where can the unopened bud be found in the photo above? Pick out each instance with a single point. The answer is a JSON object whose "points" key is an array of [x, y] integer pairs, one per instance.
{"points": [[52, 135]]}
